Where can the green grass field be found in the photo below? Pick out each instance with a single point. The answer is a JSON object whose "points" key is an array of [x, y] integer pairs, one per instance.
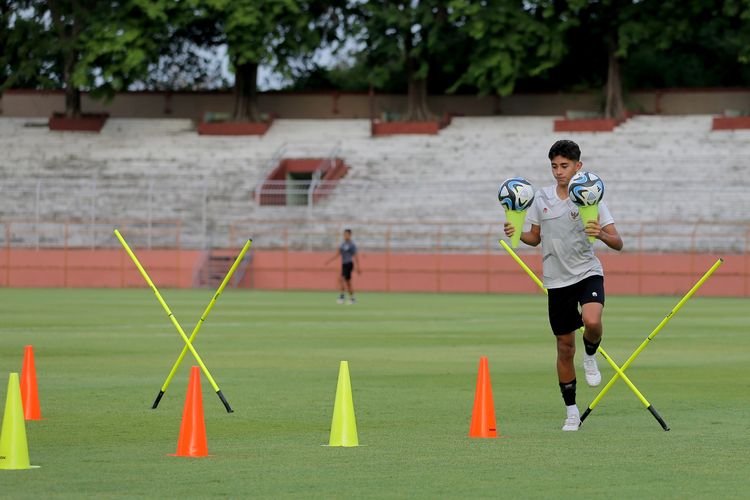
{"points": [[101, 356]]}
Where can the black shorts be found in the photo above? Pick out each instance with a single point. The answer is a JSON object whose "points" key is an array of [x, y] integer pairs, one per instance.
{"points": [[562, 303], [346, 270]]}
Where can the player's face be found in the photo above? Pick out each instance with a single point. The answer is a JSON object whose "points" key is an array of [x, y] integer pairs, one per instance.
{"points": [[347, 236], [563, 169]]}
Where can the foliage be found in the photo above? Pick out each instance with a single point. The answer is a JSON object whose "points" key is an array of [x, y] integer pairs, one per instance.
{"points": [[83, 44], [511, 40], [487, 47], [25, 46]]}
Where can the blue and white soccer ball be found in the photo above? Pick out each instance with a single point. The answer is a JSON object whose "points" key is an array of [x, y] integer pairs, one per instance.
{"points": [[586, 189], [516, 193]]}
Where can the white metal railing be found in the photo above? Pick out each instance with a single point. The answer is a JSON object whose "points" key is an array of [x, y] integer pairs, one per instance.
{"points": [[268, 168], [317, 178], [206, 206]]}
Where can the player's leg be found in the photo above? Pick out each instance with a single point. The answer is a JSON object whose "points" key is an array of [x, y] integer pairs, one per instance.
{"points": [[350, 289], [566, 351], [347, 275], [342, 289], [592, 305], [566, 376], [564, 319]]}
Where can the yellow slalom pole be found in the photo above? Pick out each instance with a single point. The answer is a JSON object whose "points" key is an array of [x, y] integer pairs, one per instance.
{"points": [[619, 371], [653, 334], [202, 319], [523, 266], [171, 316]]}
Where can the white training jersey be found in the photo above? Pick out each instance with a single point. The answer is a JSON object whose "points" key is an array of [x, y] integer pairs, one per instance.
{"points": [[567, 255]]}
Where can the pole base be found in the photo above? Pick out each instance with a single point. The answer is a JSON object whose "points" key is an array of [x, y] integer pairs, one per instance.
{"points": [[156, 401], [658, 418], [585, 414], [224, 400]]}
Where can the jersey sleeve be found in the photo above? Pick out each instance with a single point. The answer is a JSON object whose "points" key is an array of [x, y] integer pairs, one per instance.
{"points": [[605, 217], [354, 249], [533, 217]]}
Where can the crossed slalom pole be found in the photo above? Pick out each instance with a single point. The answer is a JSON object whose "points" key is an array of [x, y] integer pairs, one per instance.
{"points": [[651, 336], [619, 371], [188, 341]]}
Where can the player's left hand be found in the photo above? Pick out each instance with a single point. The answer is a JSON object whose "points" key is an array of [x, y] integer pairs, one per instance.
{"points": [[593, 229], [359, 272]]}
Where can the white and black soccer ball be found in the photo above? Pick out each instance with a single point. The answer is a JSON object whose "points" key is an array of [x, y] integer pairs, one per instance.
{"points": [[586, 189], [516, 193]]}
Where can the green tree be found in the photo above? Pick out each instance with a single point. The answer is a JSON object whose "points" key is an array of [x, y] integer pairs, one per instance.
{"points": [[279, 33], [511, 40], [657, 33], [24, 49], [409, 41], [99, 46]]}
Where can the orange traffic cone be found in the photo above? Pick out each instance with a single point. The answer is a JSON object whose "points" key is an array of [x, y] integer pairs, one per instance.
{"points": [[29, 390], [192, 440], [483, 417]]}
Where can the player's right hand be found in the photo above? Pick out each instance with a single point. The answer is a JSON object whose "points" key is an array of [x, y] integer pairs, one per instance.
{"points": [[509, 229]]}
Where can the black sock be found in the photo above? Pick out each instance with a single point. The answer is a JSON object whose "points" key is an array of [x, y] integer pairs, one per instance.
{"points": [[568, 390], [341, 296], [591, 347]]}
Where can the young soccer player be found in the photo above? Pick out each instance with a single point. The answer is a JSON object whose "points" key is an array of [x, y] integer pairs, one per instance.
{"points": [[348, 252], [573, 275]]}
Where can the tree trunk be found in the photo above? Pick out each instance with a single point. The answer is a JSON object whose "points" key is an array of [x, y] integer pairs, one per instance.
{"points": [[72, 93], [72, 100], [614, 107], [67, 37], [246, 93], [417, 110]]}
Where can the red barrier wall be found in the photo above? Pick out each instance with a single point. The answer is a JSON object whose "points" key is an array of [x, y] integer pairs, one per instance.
{"points": [[83, 268], [628, 274]]}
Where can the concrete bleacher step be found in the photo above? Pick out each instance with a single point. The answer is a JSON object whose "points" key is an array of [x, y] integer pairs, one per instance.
{"points": [[655, 167]]}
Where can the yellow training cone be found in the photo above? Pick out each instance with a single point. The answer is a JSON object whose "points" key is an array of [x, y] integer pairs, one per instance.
{"points": [[589, 213], [344, 425], [517, 218], [14, 450]]}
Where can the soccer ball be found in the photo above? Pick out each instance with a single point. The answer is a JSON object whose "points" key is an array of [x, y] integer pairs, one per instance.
{"points": [[586, 189], [516, 194]]}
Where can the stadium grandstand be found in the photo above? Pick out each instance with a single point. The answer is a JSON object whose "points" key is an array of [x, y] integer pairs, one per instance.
{"points": [[674, 184], [663, 173]]}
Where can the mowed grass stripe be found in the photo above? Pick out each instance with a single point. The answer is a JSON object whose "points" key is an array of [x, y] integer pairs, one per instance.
{"points": [[103, 354]]}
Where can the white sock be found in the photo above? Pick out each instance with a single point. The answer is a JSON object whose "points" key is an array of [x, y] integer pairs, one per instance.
{"points": [[573, 410]]}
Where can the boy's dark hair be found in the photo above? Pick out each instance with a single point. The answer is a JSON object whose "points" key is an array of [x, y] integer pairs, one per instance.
{"points": [[566, 149], [347, 230]]}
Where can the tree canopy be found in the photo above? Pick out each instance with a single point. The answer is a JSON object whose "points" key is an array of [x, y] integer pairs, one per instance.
{"points": [[412, 46]]}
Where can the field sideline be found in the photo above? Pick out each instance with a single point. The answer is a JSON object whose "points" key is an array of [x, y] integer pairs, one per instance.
{"points": [[101, 356]]}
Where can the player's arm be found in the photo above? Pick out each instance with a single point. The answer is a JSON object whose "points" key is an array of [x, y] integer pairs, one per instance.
{"points": [[335, 256], [532, 237], [607, 234], [356, 263]]}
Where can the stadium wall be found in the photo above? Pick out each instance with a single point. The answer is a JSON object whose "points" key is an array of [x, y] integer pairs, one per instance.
{"points": [[627, 274], [193, 105]]}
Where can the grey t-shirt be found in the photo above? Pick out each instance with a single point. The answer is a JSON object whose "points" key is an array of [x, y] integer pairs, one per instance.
{"points": [[568, 256], [347, 250]]}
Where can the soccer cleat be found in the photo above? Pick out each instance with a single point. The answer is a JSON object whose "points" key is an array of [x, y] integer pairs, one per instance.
{"points": [[572, 423], [591, 369], [352, 301], [340, 300]]}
